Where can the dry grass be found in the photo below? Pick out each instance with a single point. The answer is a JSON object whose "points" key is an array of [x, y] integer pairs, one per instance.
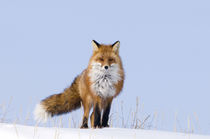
{"points": [[4, 110], [134, 118]]}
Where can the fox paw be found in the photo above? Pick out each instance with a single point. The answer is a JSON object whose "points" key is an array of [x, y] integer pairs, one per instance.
{"points": [[105, 125], [98, 126], [84, 126]]}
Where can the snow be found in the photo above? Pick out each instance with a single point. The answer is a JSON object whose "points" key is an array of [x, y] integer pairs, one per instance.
{"points": [[13, 131]]}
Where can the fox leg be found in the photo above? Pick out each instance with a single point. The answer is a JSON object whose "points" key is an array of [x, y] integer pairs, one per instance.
{"points": [[96, 115], [87, 107], [105, 117]]}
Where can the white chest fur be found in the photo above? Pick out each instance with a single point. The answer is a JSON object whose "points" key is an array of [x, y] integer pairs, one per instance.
{"points": [[103, 80]]}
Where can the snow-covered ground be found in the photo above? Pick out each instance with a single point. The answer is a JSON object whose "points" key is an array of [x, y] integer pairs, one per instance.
{"points": [[13, 131]]}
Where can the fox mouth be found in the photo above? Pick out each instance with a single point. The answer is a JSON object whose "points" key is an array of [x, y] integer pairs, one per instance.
{"points": [[107, 76], [104, 78]]}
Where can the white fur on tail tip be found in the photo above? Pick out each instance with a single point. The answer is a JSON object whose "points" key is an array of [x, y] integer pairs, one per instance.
{"points": [[40, 114]]}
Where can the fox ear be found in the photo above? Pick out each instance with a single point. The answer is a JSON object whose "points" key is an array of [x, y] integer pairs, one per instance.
{"points": [[116, 46], [95, 45]]}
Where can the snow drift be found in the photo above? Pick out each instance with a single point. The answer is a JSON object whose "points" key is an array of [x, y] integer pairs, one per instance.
{"points": [[13, 131]]}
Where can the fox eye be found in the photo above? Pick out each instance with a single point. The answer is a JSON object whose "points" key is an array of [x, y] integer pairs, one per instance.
{"points": [[111, 59], [101, 59]]}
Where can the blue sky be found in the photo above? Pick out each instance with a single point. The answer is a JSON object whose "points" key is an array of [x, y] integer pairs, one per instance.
{"points": [[165, 50]]}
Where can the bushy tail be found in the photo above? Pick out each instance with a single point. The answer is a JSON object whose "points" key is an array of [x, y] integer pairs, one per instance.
{"points": [[59, 103]]}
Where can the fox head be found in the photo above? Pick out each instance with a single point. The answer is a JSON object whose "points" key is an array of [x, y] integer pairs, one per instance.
{"points": [[105, 55], [105, 68]]}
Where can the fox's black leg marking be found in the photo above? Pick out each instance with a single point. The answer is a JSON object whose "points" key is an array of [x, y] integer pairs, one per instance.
{"points": [[105, 117], [84, 123], [97, 117]]}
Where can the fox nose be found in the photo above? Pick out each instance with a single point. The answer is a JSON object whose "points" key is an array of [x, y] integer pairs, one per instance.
{"points": [[106, 67]]}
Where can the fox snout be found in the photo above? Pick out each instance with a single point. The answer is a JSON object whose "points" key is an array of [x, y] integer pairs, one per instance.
{"points": [[106, 67]]}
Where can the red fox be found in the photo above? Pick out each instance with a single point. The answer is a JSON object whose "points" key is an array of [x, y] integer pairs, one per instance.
{"points": [[95, 87]]}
